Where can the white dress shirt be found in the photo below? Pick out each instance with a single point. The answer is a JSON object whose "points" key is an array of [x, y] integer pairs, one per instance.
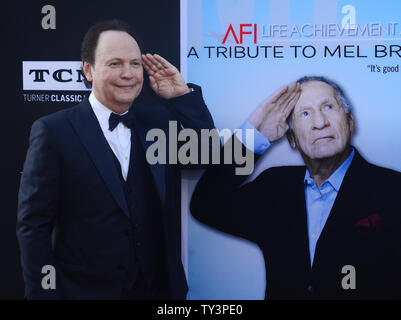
{"points": [[119, 139]]}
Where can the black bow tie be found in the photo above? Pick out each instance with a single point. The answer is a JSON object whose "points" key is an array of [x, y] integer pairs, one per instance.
{"points": [[126, 119]]}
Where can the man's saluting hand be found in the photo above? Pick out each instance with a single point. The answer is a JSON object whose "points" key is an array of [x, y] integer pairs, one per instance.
{"points": [[270, 117], [164, 78]]}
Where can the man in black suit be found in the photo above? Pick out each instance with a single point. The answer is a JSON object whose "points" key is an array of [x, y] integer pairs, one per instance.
{"points": [[328, 230], [90, 206]]}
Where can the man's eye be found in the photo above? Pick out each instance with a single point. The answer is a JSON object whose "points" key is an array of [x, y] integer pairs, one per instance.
{"points": [[113, 64], [305, 114], [328, 107], [136, 64]]}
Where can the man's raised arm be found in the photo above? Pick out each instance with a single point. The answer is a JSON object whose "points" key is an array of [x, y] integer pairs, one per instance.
{"points": [[220, 200]]}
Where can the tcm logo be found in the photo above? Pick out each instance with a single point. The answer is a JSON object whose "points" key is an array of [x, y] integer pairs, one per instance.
{"points": [[53, 75]]}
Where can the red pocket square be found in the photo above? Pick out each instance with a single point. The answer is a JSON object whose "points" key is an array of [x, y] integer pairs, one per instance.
{"points": [[374, 221]]}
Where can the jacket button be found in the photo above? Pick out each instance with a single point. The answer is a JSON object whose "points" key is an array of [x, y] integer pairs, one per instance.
{"points": [[127, 233], [120, 267], [311, 289]]}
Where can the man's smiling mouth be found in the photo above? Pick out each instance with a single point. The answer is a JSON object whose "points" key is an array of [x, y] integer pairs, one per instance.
{"points": [[125, 87]]}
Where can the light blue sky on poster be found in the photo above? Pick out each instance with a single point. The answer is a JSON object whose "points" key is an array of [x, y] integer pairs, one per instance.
{"points": [[301, 11], [232, 88], [238, 85], [370, 11]]}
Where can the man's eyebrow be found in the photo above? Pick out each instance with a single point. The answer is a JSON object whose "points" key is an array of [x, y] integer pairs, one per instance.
{"points": [[328, 99], [303, 107], [119, 59], [324, 100], [111, 59]]}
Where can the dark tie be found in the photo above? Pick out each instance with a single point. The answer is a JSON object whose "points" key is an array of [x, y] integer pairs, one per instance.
{"points": [[126, 119]]}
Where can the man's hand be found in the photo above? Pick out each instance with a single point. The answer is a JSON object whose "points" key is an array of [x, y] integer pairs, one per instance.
{"points": [[270, 116], [164, 78]]}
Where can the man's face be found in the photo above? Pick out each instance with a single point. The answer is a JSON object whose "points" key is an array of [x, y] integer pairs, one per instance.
{"points": [[320, 126], [117, 74]]}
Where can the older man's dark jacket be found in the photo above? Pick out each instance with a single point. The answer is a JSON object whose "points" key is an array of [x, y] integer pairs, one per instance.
{"points": [[363, 229]]}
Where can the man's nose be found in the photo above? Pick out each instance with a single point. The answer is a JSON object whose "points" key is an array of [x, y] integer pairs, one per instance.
{"points": [[127, 72], [320, 120]]}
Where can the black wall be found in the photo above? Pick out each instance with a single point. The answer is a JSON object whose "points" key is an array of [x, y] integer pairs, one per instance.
{"points": [[157, 22]]}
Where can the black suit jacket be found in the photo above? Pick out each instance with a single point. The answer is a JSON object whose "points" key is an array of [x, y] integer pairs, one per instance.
{"points": [[72, 212], [363, 229]]}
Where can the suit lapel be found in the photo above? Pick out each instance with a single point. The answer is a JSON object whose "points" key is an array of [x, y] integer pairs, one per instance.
{"points": [[142, 126], [344, 212], [299, 222], [88, 129]]}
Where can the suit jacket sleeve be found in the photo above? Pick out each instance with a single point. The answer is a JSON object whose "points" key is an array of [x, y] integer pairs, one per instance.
{"points": [[222, 201], [191, 112], [190, 109], [37, 210]]}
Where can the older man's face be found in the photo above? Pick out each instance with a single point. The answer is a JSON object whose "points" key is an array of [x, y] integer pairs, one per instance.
{"points": [[320, 126]]}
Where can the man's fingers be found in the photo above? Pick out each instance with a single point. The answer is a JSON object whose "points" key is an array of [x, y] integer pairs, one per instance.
{"points": [[152, 83], [145, 60], [279, 102], [151, 62], [157, 61], [162, 61], [147, 66], [288, 98], [291, 104], [275, 96], [282, 102]]}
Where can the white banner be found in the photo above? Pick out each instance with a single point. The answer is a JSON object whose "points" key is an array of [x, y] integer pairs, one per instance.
{"points": [[53, 75]]}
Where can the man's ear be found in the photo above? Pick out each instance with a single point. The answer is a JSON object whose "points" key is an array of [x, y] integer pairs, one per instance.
{"points": [[87, 70], [291, 138], [351, 122]]}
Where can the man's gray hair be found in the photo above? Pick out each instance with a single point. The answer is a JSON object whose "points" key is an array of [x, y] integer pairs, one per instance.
{"points": [[340, 92]]}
